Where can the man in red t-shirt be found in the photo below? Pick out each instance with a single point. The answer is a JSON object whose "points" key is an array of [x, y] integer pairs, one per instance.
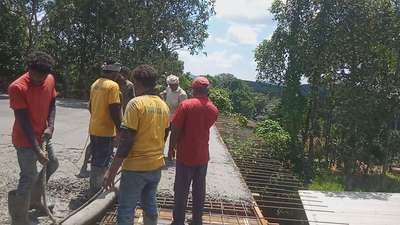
{"points": [[32, 97], [190, 135]]}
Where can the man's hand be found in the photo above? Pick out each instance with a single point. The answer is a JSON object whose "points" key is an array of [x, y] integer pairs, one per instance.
{"points": [[47, 134], [108, 182], [171, 153], [42, 157]]}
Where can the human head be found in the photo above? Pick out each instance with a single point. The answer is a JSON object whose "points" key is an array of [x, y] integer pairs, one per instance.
{"points": [[173, 82], [200, 86], [111, 69], [123, 75], [125, 72], [145, 79], [39, 65]]}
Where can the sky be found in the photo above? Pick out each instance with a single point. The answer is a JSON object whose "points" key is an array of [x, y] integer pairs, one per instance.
{"points": [[234, 33]]}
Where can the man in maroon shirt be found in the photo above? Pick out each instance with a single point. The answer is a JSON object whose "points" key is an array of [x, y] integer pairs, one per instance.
{"points": [[32, 97], [190, 135]]}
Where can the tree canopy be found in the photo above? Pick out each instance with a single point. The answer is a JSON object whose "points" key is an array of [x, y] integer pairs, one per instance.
{"points": [[80, 34], [350, 54]]}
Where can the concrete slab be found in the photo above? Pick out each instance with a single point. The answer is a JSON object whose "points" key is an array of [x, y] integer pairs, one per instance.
{"points": [[351, 208], [224, 180], [71, 132]]}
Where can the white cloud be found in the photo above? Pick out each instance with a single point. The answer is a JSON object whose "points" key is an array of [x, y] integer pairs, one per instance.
{"points": [[214, 63], [243, 34], [252, 10], [224, 41]]}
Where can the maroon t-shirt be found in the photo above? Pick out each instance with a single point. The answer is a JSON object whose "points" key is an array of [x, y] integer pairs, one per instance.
{"points": [[194, 117], [36, 99]]}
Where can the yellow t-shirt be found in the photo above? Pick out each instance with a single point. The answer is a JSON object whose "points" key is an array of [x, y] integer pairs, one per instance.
{"points": [[103, 92], [149, 116]]}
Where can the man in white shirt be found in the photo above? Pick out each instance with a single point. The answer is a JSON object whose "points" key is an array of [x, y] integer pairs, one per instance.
{"points": [[174, 94]]}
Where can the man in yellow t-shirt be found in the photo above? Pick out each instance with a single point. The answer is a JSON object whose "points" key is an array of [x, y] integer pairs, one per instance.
{"points": [[140, 151], [105, 119]]}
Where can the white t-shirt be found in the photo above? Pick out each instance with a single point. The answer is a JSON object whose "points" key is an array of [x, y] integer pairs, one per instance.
{"points": [[174, 98]]}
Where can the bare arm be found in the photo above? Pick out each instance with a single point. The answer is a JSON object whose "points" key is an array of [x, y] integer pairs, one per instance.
{"points": [[173, 141], [48, 133], [22, 116], [115, 112], [127, 137]]}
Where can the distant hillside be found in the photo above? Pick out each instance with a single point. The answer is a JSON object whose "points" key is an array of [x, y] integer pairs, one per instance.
{"points": [[265, 88], [273, 89]]}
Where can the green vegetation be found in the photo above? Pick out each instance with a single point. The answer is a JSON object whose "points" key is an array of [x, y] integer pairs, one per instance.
{"points": [[235, 96], [367, 183], [350, 54], [276, 139], [221, 99], [80, 34]]}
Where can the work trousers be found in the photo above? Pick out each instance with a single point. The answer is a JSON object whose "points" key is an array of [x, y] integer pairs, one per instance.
{"points": [[102, 150], [134, 187], [28, 176], [184, 177]]}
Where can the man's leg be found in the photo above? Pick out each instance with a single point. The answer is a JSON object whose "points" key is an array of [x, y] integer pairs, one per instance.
{"points": [[199, 194], [130, 189], [18, 200], [183, 177], [149, 197], [37, 189], [101, 156]]}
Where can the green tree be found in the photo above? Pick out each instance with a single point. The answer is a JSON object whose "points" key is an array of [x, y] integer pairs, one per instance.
{"points": [[275, 137], [348, 52], [220, 97]]}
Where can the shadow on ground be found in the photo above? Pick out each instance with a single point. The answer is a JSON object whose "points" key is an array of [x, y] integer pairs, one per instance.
{"points": [[72, 103]]}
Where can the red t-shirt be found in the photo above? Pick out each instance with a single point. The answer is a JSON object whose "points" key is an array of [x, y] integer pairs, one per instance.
{"points": [[194, 117], [37, 99]]}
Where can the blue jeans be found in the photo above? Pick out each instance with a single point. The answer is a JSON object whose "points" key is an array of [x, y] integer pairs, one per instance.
{"points": [[102, 150], [28, 176], [137, 186], [184, 176]]}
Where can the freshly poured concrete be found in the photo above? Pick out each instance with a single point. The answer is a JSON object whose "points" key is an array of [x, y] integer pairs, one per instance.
{"points": [[71, 131], [223, 177], [351, 208]]}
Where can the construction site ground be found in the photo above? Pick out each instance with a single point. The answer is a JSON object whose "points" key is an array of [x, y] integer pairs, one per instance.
{"points": [[224, 183]]}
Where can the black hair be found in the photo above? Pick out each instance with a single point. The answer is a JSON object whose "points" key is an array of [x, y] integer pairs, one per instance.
{"points": [[40, 62], [109, 61], [125, 71], [146, 75]]}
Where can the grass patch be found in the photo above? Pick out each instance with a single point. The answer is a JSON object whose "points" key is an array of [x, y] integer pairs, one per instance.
{"points": [[364, 183], [327, 182]]}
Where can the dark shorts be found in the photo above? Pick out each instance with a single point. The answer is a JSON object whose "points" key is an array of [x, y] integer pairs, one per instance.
{"points": [[102, 150]]}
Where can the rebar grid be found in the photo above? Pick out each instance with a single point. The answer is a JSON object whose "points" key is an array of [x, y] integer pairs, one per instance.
{"points": [[215, 212], [274, 187]]}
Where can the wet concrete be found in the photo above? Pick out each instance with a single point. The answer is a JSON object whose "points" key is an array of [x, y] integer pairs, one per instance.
{"points": [[224, 181], [67, 191]]}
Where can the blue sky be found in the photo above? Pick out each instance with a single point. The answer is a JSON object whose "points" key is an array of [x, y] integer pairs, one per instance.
{"points": [[235, 31]]}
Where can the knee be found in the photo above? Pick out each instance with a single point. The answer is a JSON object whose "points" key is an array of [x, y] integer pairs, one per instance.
{"points": [[26, 182]]}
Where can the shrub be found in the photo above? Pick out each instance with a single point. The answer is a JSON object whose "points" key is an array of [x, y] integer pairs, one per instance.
{"points": [[220, 98], [275, 137]]}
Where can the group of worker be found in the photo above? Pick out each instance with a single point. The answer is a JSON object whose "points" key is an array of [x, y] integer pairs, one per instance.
{"points": [[126, 112]]}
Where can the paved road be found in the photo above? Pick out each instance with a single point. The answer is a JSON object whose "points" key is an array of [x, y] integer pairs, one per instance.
{"points": [[223, 179]]}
